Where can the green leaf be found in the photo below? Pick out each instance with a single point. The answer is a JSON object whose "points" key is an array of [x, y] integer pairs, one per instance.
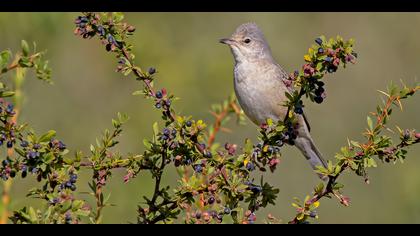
{"points": [[47, 136], [4, 58], [4, 94], [155, 129], [118, 16], [32, 215], [25, 48], [369, 122]]}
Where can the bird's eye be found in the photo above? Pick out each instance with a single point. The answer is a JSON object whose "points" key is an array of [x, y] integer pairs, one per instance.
{"points": [[247, 40]]}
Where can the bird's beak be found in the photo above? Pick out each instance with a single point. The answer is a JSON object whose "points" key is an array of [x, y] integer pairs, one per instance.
{"points": [[227, 41]]}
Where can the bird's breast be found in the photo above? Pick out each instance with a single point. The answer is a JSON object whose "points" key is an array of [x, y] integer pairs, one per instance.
{"points": [[260, 91]]}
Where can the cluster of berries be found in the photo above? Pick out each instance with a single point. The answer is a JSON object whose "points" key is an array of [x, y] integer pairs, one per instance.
{"points": [[69, 184], [161, 100]]}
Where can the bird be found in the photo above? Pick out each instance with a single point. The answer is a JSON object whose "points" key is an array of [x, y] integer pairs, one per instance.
{"points": [[260, 85]]}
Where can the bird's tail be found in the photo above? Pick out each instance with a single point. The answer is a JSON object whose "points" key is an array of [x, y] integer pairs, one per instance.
{"points": [[307, 146]]}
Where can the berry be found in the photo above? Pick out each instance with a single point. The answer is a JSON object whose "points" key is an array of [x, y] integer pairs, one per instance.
{"points": [[24, 143], [188, 123], [32, 155], [298, 110], [256, 189], [158, 105], [198, 215], [34, 170], [328, 59], [101, 30], [12, 173], [168, 102], [320, 50], [73, 178], [174, 132], [37, 146], [164, 137], [250, 166], [227, 210], [198, 168], [24, 174], [208, 154], [166, 132], [318, 41], [312, 214], [1, 142], [152, 70], [9, 108], [73, 187], [159, 94], [9, 144], [332, 69], [318, 99], [61, 145], [211, 200], [5, 162], [68, 218]]}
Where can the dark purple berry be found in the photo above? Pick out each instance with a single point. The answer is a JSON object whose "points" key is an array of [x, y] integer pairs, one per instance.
{"points": [[37, 146], [250, 166], [188, 123], [73, 187], [211, 200], [12, 173], [198, 168], [298, 110], [159, 94], [328, 59], [5, 162], [152, 70], [9, 144], [226, 210], [24, 174], [24, 144], [158, 105], [318, 99], [166, 132], [318, 41], [320, 50]]}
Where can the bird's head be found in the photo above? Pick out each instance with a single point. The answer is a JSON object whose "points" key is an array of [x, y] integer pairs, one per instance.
{"points": [[248, 43]]}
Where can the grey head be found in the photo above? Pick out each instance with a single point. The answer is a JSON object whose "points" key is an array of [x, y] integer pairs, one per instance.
{"points": [[248, 43]]}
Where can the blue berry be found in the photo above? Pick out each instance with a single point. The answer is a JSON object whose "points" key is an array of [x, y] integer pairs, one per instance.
{"points": [[68, 184], [226, 210], [166, 132], [320, 50], [198, 215], [152, 70], [211, 200], [73, 187], [298, 110], [32, 154], [208, 154], [318, 41], [256, 189], [312, 214], [5, 162], [328, 59], [24, 174], [158, 105], [12, 173], [24, 143], [9, 144], [37, 146], [61, 145], [159, 94], [101, 30], [164, 137], [250, 166], [188, 123], [198, 168], [318, 99], [9, 108]]}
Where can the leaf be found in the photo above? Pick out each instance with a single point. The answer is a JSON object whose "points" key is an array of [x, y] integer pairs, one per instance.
{"points": [[25, 48], [138, 92], [32, 215], [307, 58], [155, 129], [316, 204], [4, 58], [370, 123], [47, 136], [4, 94]]}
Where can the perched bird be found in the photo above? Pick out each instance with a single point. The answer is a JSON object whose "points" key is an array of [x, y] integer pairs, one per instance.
{"points": [[260, 85]]}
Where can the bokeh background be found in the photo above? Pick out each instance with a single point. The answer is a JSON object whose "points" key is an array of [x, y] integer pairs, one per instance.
{"points": [[87, 93]]}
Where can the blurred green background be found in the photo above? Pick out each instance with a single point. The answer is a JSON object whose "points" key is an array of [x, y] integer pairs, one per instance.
{"points": [[87, 93]]}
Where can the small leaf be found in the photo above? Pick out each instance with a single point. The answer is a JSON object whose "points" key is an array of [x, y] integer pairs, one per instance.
{"points": [[370, 124], [25, 48], [47, 136]]}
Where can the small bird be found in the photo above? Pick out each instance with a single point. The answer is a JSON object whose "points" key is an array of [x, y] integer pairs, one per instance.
{"points": [[260, 85]]}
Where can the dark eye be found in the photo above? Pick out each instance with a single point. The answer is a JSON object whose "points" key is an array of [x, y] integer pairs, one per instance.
{"points": [[247, 40]]}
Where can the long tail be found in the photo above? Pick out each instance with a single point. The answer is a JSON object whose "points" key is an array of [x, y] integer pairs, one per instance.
{"points": [[307, 146]]}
